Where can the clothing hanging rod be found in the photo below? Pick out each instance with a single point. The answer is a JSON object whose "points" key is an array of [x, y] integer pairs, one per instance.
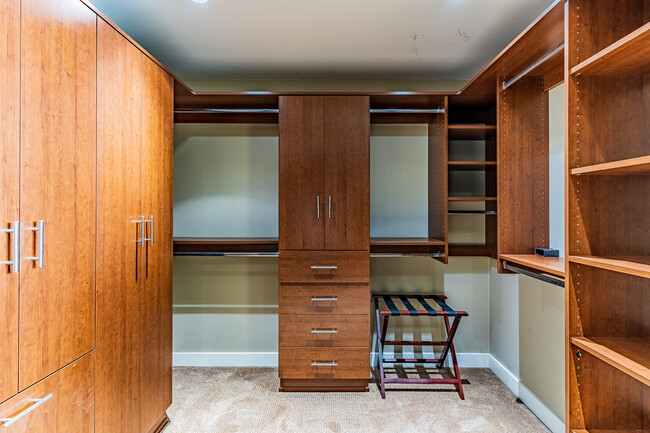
{"points": [[525, 72], [393, 255], [407, 110], [222, 254], [538, 276], [229, 111]]}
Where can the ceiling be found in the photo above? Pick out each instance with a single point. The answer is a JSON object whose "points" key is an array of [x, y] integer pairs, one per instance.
{"points": [[323, 39]]}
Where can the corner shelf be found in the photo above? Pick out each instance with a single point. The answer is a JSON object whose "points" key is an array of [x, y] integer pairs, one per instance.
{"points": [[219, 246], [631, 355], [470, 131], [632, 265], [550, 265], [632, 166], [628, 55]]}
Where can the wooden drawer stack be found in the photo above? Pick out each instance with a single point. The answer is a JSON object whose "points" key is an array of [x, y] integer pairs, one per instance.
{"points": [[324, 321]]}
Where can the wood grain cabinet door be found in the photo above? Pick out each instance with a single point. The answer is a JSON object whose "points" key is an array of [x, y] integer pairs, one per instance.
{"points": [[302, 147], [9, 192], [119, 205], [156, 289], [58, 173], [347, 172]]}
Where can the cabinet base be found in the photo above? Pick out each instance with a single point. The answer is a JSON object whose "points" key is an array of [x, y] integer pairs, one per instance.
{"points": [[160, 424], [323, 385]]}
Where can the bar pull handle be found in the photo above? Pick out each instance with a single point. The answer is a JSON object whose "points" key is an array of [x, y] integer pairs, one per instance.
{"points": [[40, 243], [318, 206], [142, 239], [6, 422], [329, 208], [324, 267], [333, 299], [324, 364], [150, 221], [14, 231], [325, 331]]}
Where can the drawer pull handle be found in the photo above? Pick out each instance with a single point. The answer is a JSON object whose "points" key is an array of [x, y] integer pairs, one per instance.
{"points": [[325, 267], [6, 422], [325, 331], [333, 299], [324, 364]]}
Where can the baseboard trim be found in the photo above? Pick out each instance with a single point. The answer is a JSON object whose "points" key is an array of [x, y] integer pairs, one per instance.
{"points": [[225, 359], [509, 379], [543, 412]]}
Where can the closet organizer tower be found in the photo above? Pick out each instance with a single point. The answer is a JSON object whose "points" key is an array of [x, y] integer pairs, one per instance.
{"points": [[324, 243]]}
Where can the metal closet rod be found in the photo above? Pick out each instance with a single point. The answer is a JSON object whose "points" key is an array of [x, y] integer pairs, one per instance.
{"points": [[408, 110], [276, 111], [391, 255], [538, 276], [525, 72]]}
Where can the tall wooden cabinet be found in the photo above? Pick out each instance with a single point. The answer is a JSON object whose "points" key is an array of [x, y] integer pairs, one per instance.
{"points": [[134, 250], [324, 242]]}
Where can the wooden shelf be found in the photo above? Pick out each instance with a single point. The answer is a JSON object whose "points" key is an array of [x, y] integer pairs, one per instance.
{"points": [[550, 265], [468, 250], [471, 165], [406, 241], [628, 354], [471, 131], [629, 55], [225, 245], [632, 166], [632, 265], [471, 198]]}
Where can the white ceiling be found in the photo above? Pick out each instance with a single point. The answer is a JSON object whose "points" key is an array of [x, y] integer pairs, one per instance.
{"points": [[323, 39]]}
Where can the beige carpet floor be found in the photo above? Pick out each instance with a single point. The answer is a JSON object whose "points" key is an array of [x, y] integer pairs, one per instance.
{"points": [[242, 399]]}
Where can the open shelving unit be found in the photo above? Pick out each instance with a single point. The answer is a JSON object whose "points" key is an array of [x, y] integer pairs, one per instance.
{"points": [[608, 275]]}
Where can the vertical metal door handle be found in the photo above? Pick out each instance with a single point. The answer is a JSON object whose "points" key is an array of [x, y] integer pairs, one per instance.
{"points": [[14, 231], [150, 221], [6, 422], [318, 206], [40, 243], [329, 208], [142, 239]]}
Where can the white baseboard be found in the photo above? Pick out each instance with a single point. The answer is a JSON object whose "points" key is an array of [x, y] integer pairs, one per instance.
{"points": [[510, 380], [537, 406], [225, 359]]}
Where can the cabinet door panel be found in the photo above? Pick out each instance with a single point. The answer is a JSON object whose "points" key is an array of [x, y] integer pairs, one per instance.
{"points": [[156, 310], [347, 172], [119, 189], [301, 173], [9, 191], [58, 173]]}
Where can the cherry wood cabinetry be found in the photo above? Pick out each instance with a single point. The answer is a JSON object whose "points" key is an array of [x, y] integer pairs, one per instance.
{"points": [[9, 192], [324, 243], [134, 249], [57, 187]]}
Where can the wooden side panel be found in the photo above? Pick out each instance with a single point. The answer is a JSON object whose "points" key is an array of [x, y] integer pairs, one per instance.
{"points": [[347, 173], [156, 310], [301, 187], [9, 192], [120, 76], [522, 160], [438, 178], [58, 173], [71, 409]]}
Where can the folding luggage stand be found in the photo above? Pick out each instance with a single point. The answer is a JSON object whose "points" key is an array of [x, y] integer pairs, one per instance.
{"points": [[448, 345]]}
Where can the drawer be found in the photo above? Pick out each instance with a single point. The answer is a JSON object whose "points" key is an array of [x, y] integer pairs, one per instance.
{"points": [[324, 330], [62, 403], [324, 363], [324, 299], [324, 267]]}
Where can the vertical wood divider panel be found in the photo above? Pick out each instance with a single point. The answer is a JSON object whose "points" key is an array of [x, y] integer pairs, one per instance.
{"points": [[119, 256], [10, 190], [438, 155], [58, 174], [522, 160]]}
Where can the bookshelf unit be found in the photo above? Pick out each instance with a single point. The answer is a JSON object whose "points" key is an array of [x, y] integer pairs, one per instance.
{"points": [[608, 209]]}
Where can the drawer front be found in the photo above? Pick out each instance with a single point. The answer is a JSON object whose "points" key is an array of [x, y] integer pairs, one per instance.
{"points": [[324, 299], [324, 267], [62, 403], [324, 363], [324, 330]]}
